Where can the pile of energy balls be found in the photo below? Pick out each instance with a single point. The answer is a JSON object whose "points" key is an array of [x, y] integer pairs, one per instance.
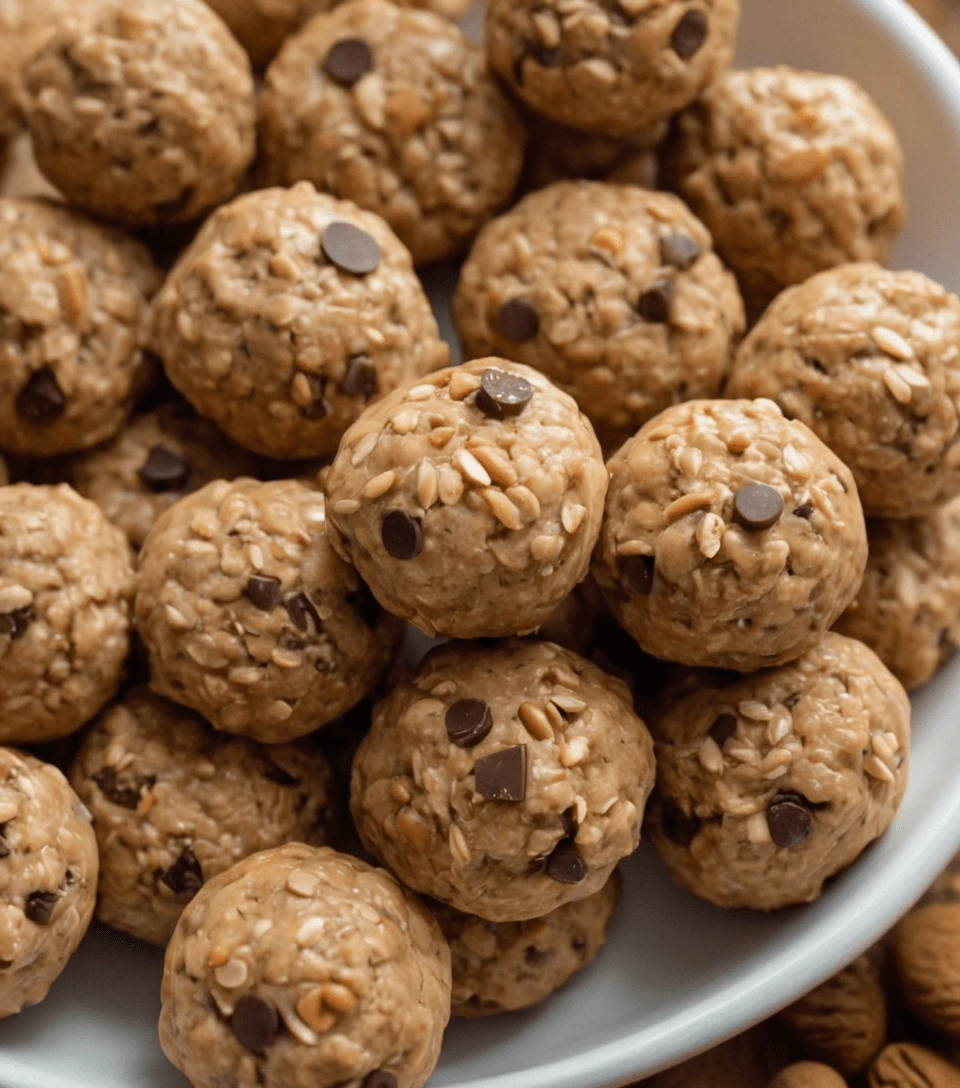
{"points": [[243, 461]]}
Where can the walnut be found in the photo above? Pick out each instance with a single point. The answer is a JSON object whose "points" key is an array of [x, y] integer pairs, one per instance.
{"points": [[808, 1075], [903, 1065], [844, 1021], [926, 959]]}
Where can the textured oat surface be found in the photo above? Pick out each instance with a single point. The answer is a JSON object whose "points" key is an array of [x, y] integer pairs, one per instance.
{"points": [[682, 571], [326, 966], [175, 803], [586, 770], [66, 585], [590, 260], [793, 172], [502, 513], [424, 137], [73, 299], [143, 114], [870, 361], [771, 785], [266, 335], [48, 879]]}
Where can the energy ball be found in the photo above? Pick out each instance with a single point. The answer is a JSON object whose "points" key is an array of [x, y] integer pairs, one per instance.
{"points": [[175, 803], [908, 607], [469, 502], [48, 879], [508, 966], [733, 538], [143, 114], [304, 968], [771, 785], [395, 110], [792, 172], [73, 299], [289, 313], [505, 782], [870, 361], [612, 291], [250, 618], [152, 463], [606, 66], [66, 585]]}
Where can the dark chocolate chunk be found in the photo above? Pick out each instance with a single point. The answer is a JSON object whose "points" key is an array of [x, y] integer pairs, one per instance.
{"points": [[254, 1023], [570, 825], [263, 592], [790, 819], [380, 1078], [39, 907], [15, 623], [723, 728], [118, 793], [402, 535], [350, 248], [679, 250], [757, 506], [185, 876], [348, 61], [273, 772], [637, 572], [360, 377], [502, 394], [164, 470], [502, 776], [301, 611], [565, 865], [468, 721], [656, 302], [519, 320], [805, 511], [677, 825], [689, 34], [41, 400], [366, 606]]}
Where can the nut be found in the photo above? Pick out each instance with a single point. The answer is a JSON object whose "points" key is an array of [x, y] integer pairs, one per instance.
{"points": [[926, 959], [904, 1065], [808, 1075], [743, 1062]]}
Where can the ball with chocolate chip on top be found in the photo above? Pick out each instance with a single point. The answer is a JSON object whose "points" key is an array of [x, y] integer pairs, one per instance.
{"points": [[469, 501], [613, 292], [305, 968], [250, 617], [733, 536], [504, 781], [772, 784]]}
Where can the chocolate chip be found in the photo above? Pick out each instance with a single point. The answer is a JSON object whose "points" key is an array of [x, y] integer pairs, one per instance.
{"points": [[679, 250], [723, 728], [301, 610], [117, 793], [351, 248], [366, 606], [402, 535], [41, 400], [502, 394], [15, 623], [318, 408], [637, 572], [164, 469], [549, 56], [502, 776], [805, 511], [380, 1078], [360, 377], [348, 61], [273, 772], [519, 320], [570, 825], [789, 819], [185, 876], [468, 721], [565, 865], [254, 1023], [656, 302], [757, 506], [39, 907], [689, 34], [263, 592], [679, 828]]}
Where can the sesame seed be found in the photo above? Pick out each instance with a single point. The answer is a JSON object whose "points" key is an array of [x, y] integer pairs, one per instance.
{"points": [[892, 343], [471, 468]]}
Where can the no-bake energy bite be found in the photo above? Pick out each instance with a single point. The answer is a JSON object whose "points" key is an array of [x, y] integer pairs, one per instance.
{"points": [[289, 313], [250, 617], [48, 877], [733, 536], [770, 785], [610, 66], [870, 361], [395, 110], [73, 299], [304, 968], [175, 803], [507, 966], [792, 172], [505, 782], [142, 114], [613, 292], [66, 585], [469, 502]]}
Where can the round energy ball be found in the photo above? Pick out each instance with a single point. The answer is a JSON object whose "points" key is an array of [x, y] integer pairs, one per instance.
{"points": [[610, 67], [613, 292], [732, 538], [395, 110], [249, 616], [175, 803], [870, 361], [470, 501], [770, 785], [289, 313], [66, 585], [304, 968], [792, 172], [73, 298], [504, 782], [144, 114], [48, 879]]}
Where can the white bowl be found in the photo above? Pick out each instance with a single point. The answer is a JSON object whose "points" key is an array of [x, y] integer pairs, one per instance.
{"points": [[677, 975]]}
